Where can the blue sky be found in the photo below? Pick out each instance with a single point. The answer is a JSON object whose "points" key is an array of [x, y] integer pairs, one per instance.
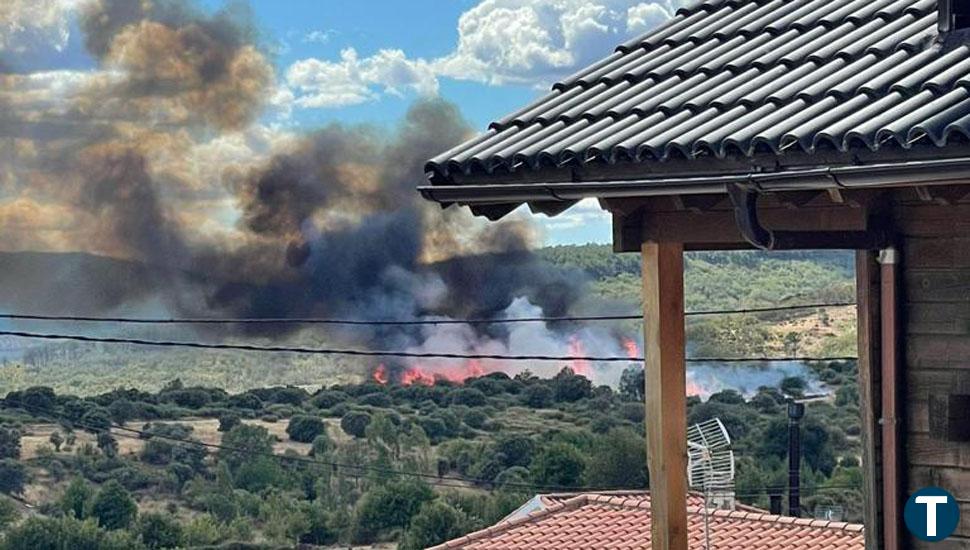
{"points": [[366, 62]]}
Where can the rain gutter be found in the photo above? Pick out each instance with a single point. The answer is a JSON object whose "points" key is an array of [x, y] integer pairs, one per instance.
{"points": [[893, 174]]}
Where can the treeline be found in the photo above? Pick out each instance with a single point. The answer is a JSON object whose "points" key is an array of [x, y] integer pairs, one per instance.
{"points": [[370, 463]]}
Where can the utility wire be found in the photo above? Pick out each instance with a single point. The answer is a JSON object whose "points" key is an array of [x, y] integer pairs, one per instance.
{"points": [[431, 479], [392, 322], [401, 354]]}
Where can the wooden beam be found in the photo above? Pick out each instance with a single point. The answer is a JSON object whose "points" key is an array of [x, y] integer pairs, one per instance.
{"points": [[666, 392], [892, 418], [870, 397]]}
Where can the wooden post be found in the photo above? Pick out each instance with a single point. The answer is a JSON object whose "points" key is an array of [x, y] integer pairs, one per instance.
{"points": [[665, 376], [870, 396]]}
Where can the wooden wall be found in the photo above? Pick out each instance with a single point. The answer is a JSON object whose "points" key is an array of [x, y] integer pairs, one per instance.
{"points": [[936, 345]]}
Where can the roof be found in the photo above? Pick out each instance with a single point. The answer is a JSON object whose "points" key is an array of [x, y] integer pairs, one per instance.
{"points": [[616, 521], [739, 79]]}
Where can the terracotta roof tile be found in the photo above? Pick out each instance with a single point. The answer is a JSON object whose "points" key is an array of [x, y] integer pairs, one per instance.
{"points": [[614, 522]]}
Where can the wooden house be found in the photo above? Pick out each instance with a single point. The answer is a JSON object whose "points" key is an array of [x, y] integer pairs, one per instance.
{"points": [[776, 124]]}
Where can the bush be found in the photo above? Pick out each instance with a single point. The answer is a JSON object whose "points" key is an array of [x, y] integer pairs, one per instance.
{"points": [[355, 423], [9, 513], [634, 412], [469, 397], [76, 500], [538, 396], [42, 533], [202, 531], [305, 429], [619, 460], [329, 399], [569, 386], [13, 476], [475, 419], [159, 531], [558, 465], [389, 507], [113, 507], [434, 524], [380, 400], [228, 421], [9, 442]]}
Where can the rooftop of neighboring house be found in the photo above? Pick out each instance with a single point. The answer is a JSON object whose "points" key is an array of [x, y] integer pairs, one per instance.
{"points": [[622, 520]]}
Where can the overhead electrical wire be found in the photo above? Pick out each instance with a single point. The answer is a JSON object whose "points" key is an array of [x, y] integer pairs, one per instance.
{"points": [[393, 322], [386, 354], [431, 479]]}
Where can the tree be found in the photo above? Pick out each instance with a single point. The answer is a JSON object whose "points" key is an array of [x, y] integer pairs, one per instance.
{"points": [[56, 440], [9, 442], [632, 384], [159, 530], [569, 386], [228, 421], [13, 476], [794, 386], [558, 465], [38, 533], [96, 420], [469, 397], [76, 500], [305, 428], [9, 513], [619, 460], [517, 450], [322, 445], [108, 444], [114, 507], [389, 507], [538, 396], [242, 443], [355, 423], [434, 524]]}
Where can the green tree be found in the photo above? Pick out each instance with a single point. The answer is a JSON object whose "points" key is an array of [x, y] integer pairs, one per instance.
{"points": [[203, 530], [243, 442], [388, 507], [538, 396], [9, 513], [228, 421], [569, 386], [558, 465], [619, 460], [13, 476], [794, 386], [76, 500], [305, 428], [56, 439], [9, 442], [159, 530], [355, 423], [114, 507], [108, 444], [435, 523], [38, 533], [632, 384]]}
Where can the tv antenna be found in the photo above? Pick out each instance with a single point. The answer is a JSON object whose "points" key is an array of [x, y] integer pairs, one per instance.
{"points": [[710, 464]]}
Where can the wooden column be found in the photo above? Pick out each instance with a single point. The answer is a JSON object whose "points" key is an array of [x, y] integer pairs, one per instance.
{"points": [[665, 376], [870, 393]]}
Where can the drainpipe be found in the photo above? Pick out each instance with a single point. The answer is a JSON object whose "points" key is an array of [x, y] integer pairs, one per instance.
{"points": [[889, 260], [796, 411]]}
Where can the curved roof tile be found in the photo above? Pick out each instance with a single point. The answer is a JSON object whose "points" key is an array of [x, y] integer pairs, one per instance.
{"points": [[730, 77]]}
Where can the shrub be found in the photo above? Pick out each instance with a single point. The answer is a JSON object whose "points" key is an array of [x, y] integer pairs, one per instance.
{"points": [[305, 428], [538, 396], [328, 399], [469, 397], [9, 442], [569, 386], [159, 530], [203, 530], [381, 400], [13, 476], [559, 465], [434, 524], [389, 507], [355, 423], [475, 419], [43, 533], [228, 421], [9, 513], [76, 499], [113, 507], [634, 412]]}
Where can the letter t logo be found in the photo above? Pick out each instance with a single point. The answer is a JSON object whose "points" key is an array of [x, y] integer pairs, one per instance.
{"points": [[931, 503]]}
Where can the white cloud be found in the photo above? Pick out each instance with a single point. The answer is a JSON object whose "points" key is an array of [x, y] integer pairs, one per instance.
{"points": [[586, 212], [26, 24], [354, 80], [527, 42], [319, 37]]}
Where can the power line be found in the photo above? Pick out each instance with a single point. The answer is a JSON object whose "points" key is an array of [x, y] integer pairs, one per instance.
{"points": [[400, 354], [431, 479], [393, 322]]}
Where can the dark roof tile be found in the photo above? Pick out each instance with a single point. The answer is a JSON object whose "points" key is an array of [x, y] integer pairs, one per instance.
{"points": [[726, 77]]}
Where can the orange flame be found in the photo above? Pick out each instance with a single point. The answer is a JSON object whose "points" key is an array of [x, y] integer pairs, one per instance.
{"points": [[578, 350], [380, 375], [632, 349], [416, 376]]}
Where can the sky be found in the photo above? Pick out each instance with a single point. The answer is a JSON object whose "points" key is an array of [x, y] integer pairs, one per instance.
{"points": [[366, 62]]}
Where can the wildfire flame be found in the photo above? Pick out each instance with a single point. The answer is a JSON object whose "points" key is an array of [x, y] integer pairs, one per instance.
{"points": [[380, 375], [578, 350], [632, 349]]}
